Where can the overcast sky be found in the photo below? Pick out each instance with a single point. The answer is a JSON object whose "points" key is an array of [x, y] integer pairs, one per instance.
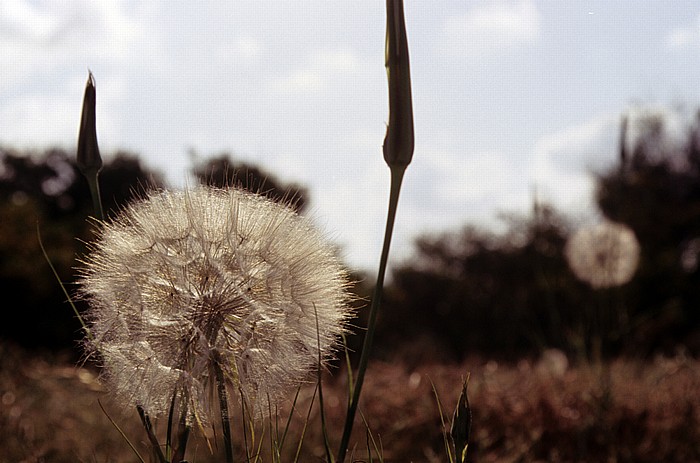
{"points": [[509, 97]]}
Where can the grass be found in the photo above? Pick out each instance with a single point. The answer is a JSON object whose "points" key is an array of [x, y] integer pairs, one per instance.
{"points": [[531, 410]]}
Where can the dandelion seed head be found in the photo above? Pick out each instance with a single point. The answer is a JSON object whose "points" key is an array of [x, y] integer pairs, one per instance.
{"points": [[604, 255], [181, 278]]}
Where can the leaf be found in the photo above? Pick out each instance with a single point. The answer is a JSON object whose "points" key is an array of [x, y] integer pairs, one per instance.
{"points": [[462, 423]]}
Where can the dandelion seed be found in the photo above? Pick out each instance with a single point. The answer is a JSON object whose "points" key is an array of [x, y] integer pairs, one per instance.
{"points": [[182, 278], [604, 255]]}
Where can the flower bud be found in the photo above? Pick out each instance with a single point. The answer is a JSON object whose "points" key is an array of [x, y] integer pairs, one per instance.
{"points": [[462, 423], [88, 156], [398, 143]]}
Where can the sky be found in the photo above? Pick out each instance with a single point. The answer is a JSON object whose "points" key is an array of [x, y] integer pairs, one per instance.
{"points": [[512, 99]]}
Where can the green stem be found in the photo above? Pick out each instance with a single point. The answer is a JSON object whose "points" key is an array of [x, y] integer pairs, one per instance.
{"points": [[396, 178]]}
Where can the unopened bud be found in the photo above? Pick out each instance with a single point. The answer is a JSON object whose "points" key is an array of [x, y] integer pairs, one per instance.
{"points": [[462, 423], [88, 156], [399, 142]]}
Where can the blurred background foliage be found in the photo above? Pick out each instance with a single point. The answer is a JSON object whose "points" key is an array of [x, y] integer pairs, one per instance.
{"points": [[470, 291], [464, 292]]}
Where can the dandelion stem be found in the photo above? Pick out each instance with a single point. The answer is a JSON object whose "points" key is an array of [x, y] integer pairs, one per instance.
{"points": [[183, 434], [223, 405], [396, 179], [146, 420], [168, 433], [324, 428]]}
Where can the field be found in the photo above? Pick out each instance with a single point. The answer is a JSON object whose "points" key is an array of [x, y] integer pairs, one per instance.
{"points": [[532, 410]]}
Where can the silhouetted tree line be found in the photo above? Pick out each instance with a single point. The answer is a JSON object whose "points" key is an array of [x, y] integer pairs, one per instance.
{"points": [[464, 292], [473, 292], [221, 172]]}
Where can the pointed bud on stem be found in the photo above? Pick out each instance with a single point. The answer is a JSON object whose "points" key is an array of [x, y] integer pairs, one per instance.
{"points": [[89, 160], [462, 423], [399, 140]]}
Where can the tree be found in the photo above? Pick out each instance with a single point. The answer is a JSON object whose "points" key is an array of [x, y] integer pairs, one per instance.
{"points": [[475, 292], [656, 192], [221, 171]]}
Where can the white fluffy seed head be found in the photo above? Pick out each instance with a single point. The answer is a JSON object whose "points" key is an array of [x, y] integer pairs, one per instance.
{"points": [[604, 255], [181, 278]]}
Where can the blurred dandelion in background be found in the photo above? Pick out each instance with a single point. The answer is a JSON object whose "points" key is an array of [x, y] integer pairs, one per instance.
{"points": [[184, 284], [604, 255]]}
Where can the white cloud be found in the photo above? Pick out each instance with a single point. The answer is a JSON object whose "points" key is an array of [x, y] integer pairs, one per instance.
{"points": [[492, 27], [50, 47], [320, 67], [58, 33], [680, 38], [23, 20], [248, 46], [684, 37]]}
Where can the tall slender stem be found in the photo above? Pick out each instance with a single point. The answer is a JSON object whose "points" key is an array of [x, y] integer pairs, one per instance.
{"points": [[223, 405], [396, 179], [146, 420], [94, 183]]}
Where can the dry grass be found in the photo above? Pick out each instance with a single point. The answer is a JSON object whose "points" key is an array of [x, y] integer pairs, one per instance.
{"points": [[530, 411]]}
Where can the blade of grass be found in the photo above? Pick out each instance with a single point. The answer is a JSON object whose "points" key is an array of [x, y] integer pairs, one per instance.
{"points": [[289, 418], [151, 435], [324, 428], [369, 449], [168, 432], [306, 424], [63, 287], [116, 426], [245, 426], [462, 423], [378, 448], [348, 365], [183, 432], [446, 439]]}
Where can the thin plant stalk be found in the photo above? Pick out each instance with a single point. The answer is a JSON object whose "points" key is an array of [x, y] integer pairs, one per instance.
{"points": [[223, 405], [146, 420], [183, 435], [319, 384], [289, 418], [396, 178], [176, 453], [168, 432], [69, 298], [306, 424], [398, 152], [446, 440], [377, 448], [245, 427], [116, 426]]}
